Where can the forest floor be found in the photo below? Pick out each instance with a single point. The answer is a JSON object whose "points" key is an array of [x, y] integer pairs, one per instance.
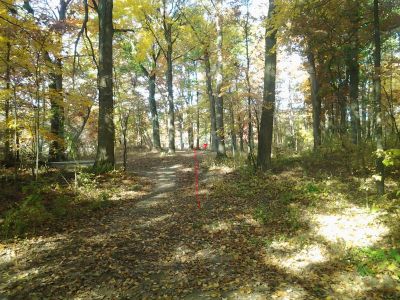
{"points": [[294, 233]]}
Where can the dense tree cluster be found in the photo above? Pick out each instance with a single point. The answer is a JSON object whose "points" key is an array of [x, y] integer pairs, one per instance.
{"points": [[102, 76]]}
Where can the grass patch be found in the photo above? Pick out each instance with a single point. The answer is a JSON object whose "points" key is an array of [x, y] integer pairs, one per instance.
{"points": [[371, 261]]}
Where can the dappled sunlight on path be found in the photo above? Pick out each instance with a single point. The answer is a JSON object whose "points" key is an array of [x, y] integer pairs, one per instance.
{"points": [[354, 226], [162, 246]]}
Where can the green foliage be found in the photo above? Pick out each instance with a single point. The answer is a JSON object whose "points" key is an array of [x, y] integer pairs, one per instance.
{"points": [[100, 168], [392, 158], [103, 201], [372, 261], [311, 188], [86, 178], [46, 203]]}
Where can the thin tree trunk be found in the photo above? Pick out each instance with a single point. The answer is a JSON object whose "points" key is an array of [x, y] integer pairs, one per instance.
{"points": [[197, 114], [7, 135], [268, 107], [219, 80], [247, 73], [233, 130], [240, 124], [106, 130], [377, 95]]}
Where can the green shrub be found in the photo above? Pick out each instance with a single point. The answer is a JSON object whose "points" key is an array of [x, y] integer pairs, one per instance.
{"points": [[371, 261]]}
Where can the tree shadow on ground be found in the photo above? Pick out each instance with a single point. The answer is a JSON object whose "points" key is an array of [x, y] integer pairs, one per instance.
{"points": [[173, 249]]}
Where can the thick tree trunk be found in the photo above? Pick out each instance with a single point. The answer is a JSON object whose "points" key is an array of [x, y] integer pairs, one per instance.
{"points": [[315, 100], [268, 107], [354, 76], [106, 129], [210, 94], [57, 145], [377, 97], [221, 152]]}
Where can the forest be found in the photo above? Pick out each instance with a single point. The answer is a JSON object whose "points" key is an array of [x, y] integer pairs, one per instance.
{"points": [[200, 149]]}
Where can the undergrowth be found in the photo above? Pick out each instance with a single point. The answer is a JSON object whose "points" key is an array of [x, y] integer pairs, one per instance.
{"points": [[51, 201]]}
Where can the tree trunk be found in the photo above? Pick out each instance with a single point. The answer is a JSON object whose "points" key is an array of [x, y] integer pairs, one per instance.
{"points": [[268, 107], [180, 120], [232, 128], [377, 95], [106, 129], [241, 144], [315, 100], [354, 76], [210, 94], [57, 144], [219, 80], [171, 112], [197, 115], [7, 134], [247, 73], [153, 111]]}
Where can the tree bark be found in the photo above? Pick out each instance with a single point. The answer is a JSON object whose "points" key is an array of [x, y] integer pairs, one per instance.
{"points": [[210, 94], [377, 97], [57, 144], [7, 134], [315, 100], [268, 107], [106, 130], [221, 152], [247, 73], [197, 114], [153, 110], [354, 80], [232, 128], [171, 112]]}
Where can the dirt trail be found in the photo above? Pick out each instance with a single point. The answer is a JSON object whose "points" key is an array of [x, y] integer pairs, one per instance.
{"points": [[163, 247], [128, 253]]}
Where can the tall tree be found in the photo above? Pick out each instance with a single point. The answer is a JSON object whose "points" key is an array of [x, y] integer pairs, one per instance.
{"points": [[221, 152], [247, 73], [106, 130], [211, 99], [151, 76], [315, 99], [57, 144], [268, 106], [377, 99], [354, 70]]}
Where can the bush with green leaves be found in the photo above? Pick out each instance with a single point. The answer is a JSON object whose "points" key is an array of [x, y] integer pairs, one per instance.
{"points": [[371, 261]]}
